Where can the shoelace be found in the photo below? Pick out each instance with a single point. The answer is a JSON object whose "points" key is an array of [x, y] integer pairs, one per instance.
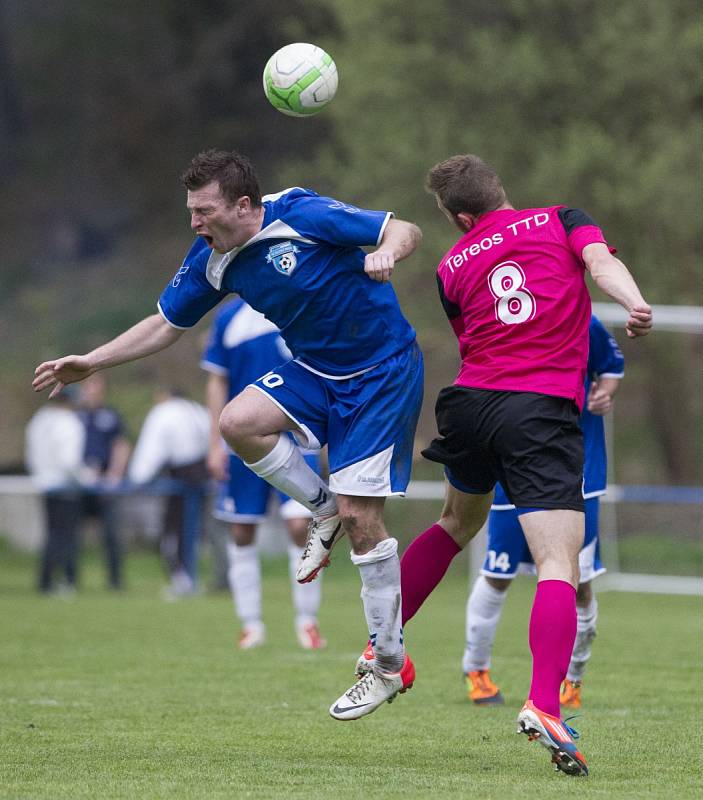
{"points": [[312, 530], [574, 733], [361, 687]]}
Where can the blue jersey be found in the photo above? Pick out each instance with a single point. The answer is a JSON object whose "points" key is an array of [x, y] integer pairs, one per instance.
{"points": [[102, 426], [605, 360], [243, 345], [304, 271]]}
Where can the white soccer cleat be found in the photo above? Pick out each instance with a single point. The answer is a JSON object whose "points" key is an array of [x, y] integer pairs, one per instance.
{"points": [[365, 662], [252, 635], [373, 690], [323, 534], [309, 637]]}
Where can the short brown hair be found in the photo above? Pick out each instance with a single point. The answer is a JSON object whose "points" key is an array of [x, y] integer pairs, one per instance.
{"points": [[466, 183], [233, 172]]}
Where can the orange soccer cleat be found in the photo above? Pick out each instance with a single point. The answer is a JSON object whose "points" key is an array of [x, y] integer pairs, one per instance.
{"points": [[570, 694], [481, 690], [309, 637]]}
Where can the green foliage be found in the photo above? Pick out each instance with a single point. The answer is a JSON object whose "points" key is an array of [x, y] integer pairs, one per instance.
{"points": [[595, 105]]}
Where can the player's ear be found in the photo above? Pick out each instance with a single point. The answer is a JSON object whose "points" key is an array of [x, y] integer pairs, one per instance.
{"points": [[465, 221], [243, 204]]}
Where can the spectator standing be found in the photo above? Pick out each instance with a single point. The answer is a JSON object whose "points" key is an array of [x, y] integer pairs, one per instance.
{"points": [[106, 455], [173, 443], [54, 442]]}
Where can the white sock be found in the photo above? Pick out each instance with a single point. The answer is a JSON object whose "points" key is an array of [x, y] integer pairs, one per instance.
{"points": [[586, 618], [244, 576], [380, 593], [483, 610], [306, 596], [286, 469]]}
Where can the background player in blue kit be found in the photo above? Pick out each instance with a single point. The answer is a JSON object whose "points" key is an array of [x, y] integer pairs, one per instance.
{"points": [[355, 381], [507, 552], [243, 345]]}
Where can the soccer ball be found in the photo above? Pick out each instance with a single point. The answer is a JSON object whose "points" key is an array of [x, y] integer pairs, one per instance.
{"points": [[300, 79]]}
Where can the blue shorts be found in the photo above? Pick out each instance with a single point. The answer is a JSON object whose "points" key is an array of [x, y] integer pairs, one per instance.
{"points": [[507, 553], [245, 497], [368, 422]]}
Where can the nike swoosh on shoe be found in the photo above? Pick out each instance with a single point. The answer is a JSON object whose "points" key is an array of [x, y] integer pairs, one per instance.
{"points": [[327, 543], [338, 710]]}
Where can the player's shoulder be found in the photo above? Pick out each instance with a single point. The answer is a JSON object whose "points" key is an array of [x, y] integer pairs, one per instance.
{"points": [[287, 198], [571, 218]]}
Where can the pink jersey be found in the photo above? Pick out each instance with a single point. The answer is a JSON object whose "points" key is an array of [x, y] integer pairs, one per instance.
{"points": [[513, 288]]}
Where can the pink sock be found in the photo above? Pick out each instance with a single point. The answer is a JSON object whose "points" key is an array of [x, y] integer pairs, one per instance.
{"points": [[423, 566], [552, 635]]}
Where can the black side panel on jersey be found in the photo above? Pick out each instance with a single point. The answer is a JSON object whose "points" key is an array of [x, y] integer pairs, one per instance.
{"points": [[452, 310], [574, 218]]}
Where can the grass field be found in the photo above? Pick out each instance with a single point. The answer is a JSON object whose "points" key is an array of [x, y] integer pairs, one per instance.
{"points": [[125, 696]]}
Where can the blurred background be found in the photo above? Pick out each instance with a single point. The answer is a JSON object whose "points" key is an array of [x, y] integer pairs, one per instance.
{"points": [[589, 103]]}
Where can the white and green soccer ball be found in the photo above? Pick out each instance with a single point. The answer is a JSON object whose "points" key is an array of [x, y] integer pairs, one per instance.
{"points": [[300, 79]]}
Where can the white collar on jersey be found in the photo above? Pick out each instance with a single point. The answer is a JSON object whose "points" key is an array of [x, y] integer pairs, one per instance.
{"points": [[218, 263]]}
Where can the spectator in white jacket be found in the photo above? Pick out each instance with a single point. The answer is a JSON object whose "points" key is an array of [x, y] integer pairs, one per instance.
{"points": [[173, 443], [54, 444]]}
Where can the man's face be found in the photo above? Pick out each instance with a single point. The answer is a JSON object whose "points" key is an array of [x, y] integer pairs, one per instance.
{"points": [[222, 224]]}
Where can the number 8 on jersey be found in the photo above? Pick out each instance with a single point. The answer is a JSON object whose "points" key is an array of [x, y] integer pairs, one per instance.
{"points": [[514, 302]]}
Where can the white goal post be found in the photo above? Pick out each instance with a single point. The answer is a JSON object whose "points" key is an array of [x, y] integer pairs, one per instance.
{"points": [[682, 319]]}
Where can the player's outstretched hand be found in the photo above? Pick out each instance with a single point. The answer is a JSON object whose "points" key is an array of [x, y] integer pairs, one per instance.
{"points": [[379, 266], [640, 321], [59, 372]]}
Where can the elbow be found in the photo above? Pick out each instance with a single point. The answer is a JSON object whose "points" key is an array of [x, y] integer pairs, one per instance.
{"points": [[600, 269], [412, 238]]}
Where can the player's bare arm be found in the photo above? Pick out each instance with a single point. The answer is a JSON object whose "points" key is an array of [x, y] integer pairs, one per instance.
{"points": [[612, 277], [149, 336], [600, 395], [399, 240], [216, 400]]}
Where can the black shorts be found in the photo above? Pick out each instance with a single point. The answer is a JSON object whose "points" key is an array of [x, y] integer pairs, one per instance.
{"points": [[532, 443]]}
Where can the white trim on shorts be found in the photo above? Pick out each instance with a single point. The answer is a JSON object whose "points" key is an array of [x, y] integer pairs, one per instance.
{"points": [[334, 377], [369, 477]]}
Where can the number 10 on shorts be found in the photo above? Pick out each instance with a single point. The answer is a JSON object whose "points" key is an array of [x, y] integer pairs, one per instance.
{"points": [[515, 303]]}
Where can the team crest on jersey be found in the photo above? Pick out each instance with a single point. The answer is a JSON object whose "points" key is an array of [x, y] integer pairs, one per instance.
{"points": [[283, 257], [181, 272]]}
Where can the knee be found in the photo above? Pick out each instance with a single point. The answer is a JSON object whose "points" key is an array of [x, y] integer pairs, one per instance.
{"points": [[364, 530], [235, 423], [298, 530], [352, 523]]}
